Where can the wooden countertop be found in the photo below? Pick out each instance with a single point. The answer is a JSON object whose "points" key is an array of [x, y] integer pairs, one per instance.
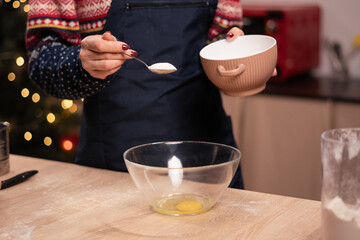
{"points": [[67, 201]]}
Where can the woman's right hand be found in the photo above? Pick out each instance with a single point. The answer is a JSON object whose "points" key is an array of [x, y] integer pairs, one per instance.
{"points": [[101, 55]]}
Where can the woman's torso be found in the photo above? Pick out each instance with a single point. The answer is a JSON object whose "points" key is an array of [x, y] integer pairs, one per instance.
{"points": [[138, 106]]}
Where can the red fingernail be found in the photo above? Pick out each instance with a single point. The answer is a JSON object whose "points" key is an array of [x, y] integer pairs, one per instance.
{"points": [[133, 53], [108, 32], [230, 35], [125, 47]]}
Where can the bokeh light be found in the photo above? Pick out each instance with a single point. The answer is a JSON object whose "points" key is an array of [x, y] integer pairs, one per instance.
{"points": [[47, 141], [25, 93], [67, 145], [50, 118], [35, 97], [73, 108], [65, 104], [11, 76], [16, 4], [26, 8], [20, 61], [28, 136]]}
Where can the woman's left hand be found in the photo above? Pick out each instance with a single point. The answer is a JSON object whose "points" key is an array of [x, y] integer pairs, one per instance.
{"points": [[236, 32]]}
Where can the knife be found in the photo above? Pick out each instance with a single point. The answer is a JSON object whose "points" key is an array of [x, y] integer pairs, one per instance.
{"points": [[17, 179]]}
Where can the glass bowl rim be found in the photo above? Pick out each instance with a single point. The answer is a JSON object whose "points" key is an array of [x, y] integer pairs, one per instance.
{"points": [[237, 159]]}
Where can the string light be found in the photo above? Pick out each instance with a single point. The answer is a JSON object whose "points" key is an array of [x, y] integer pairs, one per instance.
{"points": [[26, 8], [35, 97], [47, 141], [20, 61], [67, 145], [65, 104], [11, 76], [28, 136], [16, 4], [25, 93], [50, 117], [22, 1], [73, 108]]}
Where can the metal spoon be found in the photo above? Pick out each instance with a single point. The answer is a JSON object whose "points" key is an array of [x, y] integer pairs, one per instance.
{"points": [[158, 68]]}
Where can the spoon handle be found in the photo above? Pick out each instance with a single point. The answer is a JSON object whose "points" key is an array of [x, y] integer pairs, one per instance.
{"points": [[136, 59]]}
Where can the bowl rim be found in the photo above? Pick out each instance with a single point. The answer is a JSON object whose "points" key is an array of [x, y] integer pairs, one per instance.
{"points": [[237, 159], [238, 39], [325, 135]]}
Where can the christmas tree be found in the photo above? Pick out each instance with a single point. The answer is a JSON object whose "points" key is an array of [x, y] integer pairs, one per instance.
{"points": [[40, 125]]}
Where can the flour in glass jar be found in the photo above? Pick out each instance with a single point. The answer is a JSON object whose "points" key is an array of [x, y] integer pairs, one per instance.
{"points": [[339, 221]]}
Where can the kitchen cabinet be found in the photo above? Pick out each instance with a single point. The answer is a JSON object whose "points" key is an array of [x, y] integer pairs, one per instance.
{"points": [[279, 132]]}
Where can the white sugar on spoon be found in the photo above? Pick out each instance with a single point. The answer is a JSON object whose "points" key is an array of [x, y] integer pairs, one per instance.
{"points": [[158, 68], [162, 68]]}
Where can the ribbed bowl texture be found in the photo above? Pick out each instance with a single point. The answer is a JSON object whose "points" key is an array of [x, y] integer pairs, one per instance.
{"points": [[240, 67]]}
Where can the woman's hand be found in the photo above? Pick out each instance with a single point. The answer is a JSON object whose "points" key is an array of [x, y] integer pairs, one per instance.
{"points": [[234, 33], [101, 55]]}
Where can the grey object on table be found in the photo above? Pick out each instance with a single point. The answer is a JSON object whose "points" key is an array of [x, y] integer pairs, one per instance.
{"points": [[4, 148]]}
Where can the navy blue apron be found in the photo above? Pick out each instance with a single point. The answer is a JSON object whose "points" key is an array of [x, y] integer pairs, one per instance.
{"points": [[138, 106]]}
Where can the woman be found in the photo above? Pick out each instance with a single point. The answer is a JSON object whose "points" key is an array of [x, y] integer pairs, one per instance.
{"points": [[76, 48]]}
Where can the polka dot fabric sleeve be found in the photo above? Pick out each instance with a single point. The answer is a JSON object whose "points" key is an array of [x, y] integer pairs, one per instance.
{"points": [[56, 68], [53, 37]]}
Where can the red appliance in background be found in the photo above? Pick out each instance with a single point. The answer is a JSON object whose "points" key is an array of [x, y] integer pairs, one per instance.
{"points": [[296, 29]]}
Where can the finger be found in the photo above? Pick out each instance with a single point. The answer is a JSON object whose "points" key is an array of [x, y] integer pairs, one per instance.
{"points": [[97, 44], [107, 65], [234, 33], [116, 56], [274, 73], [112, 56], [130, 54], [108, 36], [103, 74], [102, 65], [87, 55]]}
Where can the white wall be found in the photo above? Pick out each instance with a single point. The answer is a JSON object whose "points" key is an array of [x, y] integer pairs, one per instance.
{"points": [[340, 22]]}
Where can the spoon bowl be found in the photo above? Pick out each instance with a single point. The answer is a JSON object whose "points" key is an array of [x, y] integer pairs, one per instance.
{"points": [[158, 68]]}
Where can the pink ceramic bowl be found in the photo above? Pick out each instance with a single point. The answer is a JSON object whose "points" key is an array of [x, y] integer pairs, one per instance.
{"points": [[240, 67]]}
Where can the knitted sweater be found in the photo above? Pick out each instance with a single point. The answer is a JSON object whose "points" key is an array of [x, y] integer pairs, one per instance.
{"points": [[53, 37]]}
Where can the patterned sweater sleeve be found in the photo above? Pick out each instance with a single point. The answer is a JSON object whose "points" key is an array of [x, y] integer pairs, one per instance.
{"points": [[53, 43], [228, 14]]}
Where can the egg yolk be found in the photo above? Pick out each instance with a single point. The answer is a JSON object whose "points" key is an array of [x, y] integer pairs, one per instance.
{"points": [[186, 206]]}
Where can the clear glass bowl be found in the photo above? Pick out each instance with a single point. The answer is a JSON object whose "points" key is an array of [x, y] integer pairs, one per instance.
{"points": [[182, 178]]}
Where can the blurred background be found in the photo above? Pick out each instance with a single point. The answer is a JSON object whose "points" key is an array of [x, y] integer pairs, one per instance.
{"points": [[40, 125], [338, 26]]}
